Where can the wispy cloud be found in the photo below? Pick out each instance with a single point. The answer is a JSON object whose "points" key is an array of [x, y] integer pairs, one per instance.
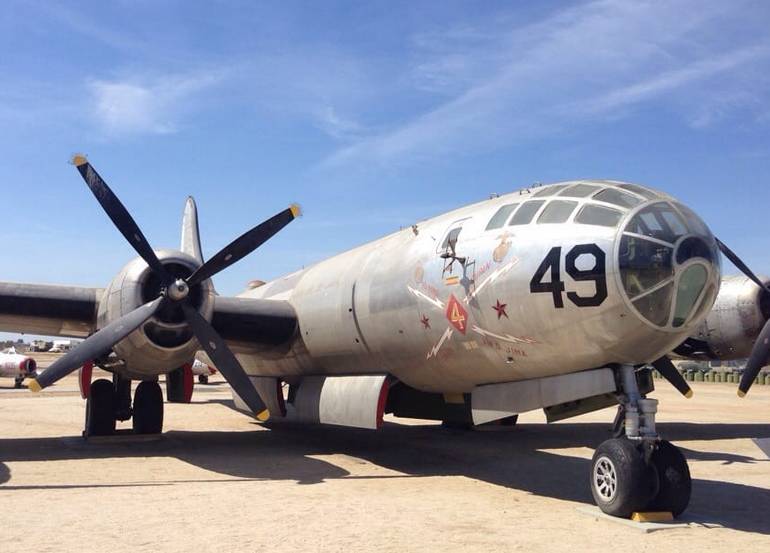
{"points": [[134, 106], [605, 57]]}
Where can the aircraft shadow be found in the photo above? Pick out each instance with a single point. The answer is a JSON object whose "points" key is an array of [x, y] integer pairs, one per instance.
{"points": [[524, 458]]}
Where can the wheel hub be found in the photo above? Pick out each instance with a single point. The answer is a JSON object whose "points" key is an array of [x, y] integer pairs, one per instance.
{"points": [[605, 479]]}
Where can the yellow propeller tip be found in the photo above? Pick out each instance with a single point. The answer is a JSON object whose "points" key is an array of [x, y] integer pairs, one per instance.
{"points": [[689, 394], [78, 160], [296, 210], [34, 386], [263, 415], [741, 393]]}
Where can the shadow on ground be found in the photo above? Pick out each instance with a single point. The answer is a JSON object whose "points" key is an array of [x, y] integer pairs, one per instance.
{"points": [[524, 458]]}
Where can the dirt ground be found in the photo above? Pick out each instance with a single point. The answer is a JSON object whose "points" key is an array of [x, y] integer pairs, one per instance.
{"points": [[217, 481]]}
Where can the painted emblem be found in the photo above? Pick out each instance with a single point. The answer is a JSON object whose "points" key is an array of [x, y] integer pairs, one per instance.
{"points": [[419, 273], [425, 321], [451, 281], [500, 308], [456, 314], [501, 251]]}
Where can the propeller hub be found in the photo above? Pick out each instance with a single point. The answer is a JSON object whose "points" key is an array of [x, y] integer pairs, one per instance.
{"points": [[179, 290]]}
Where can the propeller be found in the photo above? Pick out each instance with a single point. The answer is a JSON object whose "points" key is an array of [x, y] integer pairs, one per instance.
{"points": [[760, 353], [174, 291], [667, 369]]}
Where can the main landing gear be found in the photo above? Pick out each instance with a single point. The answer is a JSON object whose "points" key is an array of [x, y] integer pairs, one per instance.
{"points": [[638, 471], [109, 402]]}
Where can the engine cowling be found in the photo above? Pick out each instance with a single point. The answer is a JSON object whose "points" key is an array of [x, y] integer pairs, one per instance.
{"points": [[732, 326], [165, 342]]}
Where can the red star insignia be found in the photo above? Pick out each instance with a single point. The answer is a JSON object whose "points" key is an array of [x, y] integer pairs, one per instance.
{"points": [[425, 321], [500, 308]]}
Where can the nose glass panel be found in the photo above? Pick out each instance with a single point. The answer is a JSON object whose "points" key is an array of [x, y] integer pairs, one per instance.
{"points": [[644, 264], [691, 284], [658, 221], [668, 264]]}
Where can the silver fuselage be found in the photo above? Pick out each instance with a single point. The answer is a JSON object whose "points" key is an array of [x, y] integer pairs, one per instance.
{"points": [[391, 306]]}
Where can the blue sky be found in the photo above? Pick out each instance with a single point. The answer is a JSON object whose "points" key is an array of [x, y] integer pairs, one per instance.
{"points": [[371, 115]]}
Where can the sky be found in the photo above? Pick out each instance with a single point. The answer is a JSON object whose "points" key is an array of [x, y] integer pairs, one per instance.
{"points": [[370, 115]]}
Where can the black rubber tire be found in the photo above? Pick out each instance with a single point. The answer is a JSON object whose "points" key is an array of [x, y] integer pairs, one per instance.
{"points": [[100, 409], [674, 481], [148, 408], [17, 383], [203, 379], [634, 482]]}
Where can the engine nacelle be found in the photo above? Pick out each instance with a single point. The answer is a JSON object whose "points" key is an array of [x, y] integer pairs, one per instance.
{"points": [[165, 342], [732, 326]]}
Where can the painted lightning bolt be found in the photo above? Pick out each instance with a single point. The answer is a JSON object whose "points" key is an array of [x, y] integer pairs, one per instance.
{"points": [[503, 337], [493, 276], [444, 337], [435, 301]]}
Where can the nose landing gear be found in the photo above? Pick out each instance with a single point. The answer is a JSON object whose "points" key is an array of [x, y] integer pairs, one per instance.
{"points": [[639, 471]]}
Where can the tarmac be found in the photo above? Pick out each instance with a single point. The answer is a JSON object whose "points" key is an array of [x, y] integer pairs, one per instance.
{"points": [[217, 480]]}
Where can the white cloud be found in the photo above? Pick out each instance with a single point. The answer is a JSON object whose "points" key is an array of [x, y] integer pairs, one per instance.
{"points": [[594, 61], [133, 106]]}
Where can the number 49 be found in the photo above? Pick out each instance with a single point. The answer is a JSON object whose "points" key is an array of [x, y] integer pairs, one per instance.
{"points": [[552, 262]]}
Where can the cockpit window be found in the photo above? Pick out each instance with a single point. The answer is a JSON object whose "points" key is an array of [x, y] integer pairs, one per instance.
{"points": [[617, 197], [694, 222], [691, 284], [669, 264], [658, 221], [656, 306], [598, 215], [501, 216], [557, 211], [580, 190], [525, 213], [549, 190], [643, 264], [642, 191]]}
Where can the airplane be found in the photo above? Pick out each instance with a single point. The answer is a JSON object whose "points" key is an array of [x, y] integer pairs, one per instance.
{"points": [[554, 297], [203, 371], [16, 366]]}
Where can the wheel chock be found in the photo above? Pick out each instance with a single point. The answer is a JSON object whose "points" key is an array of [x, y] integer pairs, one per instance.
{"points": [[652, 516]]}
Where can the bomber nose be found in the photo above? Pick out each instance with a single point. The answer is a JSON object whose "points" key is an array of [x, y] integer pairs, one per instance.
{"points": [[669, 265]]}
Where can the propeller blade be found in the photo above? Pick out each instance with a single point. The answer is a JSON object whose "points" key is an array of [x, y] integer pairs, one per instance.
{"points": [[667, 369], [120, 216], [244, 245], [96, 345], [758, 358], [224, 359], [738, 262]]}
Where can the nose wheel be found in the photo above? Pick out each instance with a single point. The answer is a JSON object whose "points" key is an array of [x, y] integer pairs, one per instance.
{"points": [[638, 471]]}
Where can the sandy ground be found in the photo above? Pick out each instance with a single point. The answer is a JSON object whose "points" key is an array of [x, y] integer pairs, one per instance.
{"points": [[217, 481]]}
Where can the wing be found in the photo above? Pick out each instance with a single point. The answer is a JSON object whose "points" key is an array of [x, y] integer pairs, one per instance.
{"points": [[70, 311], [48, 310]]}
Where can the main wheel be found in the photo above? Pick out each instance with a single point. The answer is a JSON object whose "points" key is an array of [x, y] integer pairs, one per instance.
{"points": [[203, 379], [674, 482], [17, 382], [621, 482], [148, 408], [100, 409]]}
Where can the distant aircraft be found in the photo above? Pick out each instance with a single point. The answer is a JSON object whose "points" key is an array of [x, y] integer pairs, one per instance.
{"points": [[202, 371], [16, 366], [553, 297]]}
